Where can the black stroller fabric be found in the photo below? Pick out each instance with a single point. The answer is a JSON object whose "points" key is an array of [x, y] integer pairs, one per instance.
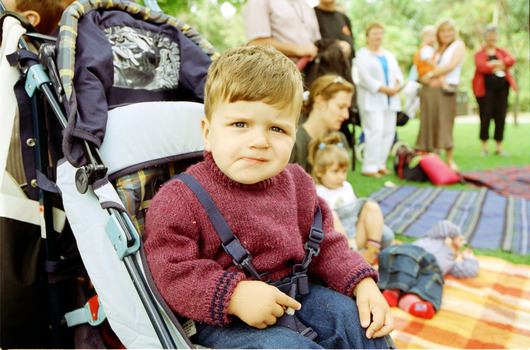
{"points": [[23, 290], [120, 60]]}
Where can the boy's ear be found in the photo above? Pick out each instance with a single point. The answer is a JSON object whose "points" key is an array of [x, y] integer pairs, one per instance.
{"points": [[205, 127], [33, 17]]}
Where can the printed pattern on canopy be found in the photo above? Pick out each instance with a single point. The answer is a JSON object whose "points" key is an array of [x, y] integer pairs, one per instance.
{"points": [[68, 32]]}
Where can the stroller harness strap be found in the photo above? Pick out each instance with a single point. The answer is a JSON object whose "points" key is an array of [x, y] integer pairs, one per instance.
{"points": [[294, 285]]}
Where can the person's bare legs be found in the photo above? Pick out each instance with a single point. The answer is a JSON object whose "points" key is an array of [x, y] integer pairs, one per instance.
{"points": [[450, 159], [369, 230], [484, 147], [499, 149]]}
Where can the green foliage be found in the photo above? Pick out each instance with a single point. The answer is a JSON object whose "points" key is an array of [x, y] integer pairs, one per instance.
{"points": [[403, 20], [206, 17]]}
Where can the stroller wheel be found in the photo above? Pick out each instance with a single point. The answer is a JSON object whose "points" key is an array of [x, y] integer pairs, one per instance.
{"points": [[359, 152], [399, 144]]}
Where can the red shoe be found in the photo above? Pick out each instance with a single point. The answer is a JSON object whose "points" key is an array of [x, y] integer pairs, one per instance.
{"points": [[390, 297], [423, 309]]}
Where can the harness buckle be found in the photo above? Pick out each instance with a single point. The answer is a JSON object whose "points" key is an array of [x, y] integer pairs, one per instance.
{"points": [[247, 265], [243, 264], [316, 236]]}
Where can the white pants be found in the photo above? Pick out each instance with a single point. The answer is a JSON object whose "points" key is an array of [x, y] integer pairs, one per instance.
{"points": [[379, 129]]}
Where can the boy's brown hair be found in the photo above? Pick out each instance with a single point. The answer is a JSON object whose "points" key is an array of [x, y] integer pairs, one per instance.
{"points": [[253, 73]]}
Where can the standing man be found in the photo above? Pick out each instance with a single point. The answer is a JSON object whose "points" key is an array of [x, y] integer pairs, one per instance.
{"points": [[290, 26], [335, 25]]}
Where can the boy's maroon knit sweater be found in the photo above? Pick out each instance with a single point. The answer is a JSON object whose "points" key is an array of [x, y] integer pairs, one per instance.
{"points": [[272, 220]]}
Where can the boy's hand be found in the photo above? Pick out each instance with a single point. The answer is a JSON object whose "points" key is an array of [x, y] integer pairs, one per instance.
{"points": [[258, 304], [374, 312]]}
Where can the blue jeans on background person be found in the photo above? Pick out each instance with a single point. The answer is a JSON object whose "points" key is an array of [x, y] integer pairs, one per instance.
{"points": [[411, 269], [332, 315]]}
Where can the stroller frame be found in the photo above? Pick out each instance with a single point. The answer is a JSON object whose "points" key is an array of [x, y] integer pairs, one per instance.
{"points": [[44, 83]]}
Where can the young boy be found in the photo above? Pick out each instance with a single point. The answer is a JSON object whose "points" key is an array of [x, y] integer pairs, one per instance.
{"points": [[253, 96], [423, 59]]}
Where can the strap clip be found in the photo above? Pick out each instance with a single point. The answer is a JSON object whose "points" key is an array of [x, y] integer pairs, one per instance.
{"points": [[92, 313], [316, 237]]}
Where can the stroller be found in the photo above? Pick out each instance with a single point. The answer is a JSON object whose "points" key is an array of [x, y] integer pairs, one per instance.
{"points": [[125, 86]]}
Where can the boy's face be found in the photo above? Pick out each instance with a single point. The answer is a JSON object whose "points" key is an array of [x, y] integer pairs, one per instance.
{"points": [[250, 141]]}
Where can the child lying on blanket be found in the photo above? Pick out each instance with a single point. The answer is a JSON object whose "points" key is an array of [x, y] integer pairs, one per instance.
{"points": [[411, 274]]}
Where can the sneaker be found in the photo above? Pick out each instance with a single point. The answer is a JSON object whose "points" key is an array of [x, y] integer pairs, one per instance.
{"points": [[390, 297], [423, 309]]}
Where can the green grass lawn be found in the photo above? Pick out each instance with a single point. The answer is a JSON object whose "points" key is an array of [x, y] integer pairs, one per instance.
{"points": [[467, 156]]}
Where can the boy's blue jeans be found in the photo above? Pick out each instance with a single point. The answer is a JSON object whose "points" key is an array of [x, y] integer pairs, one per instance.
{"points": [[332, 315]]}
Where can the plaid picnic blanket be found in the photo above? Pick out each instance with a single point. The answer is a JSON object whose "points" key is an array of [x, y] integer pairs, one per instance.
{"points": [[490, 311], [488, 220], [514, 180]]}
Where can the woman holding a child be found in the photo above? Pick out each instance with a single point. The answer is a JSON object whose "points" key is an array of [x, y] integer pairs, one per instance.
{"points": [[438, 110]]}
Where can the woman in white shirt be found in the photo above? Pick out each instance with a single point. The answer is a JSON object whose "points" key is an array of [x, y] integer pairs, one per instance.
{"points": [[438, 110], [380, 79]]}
